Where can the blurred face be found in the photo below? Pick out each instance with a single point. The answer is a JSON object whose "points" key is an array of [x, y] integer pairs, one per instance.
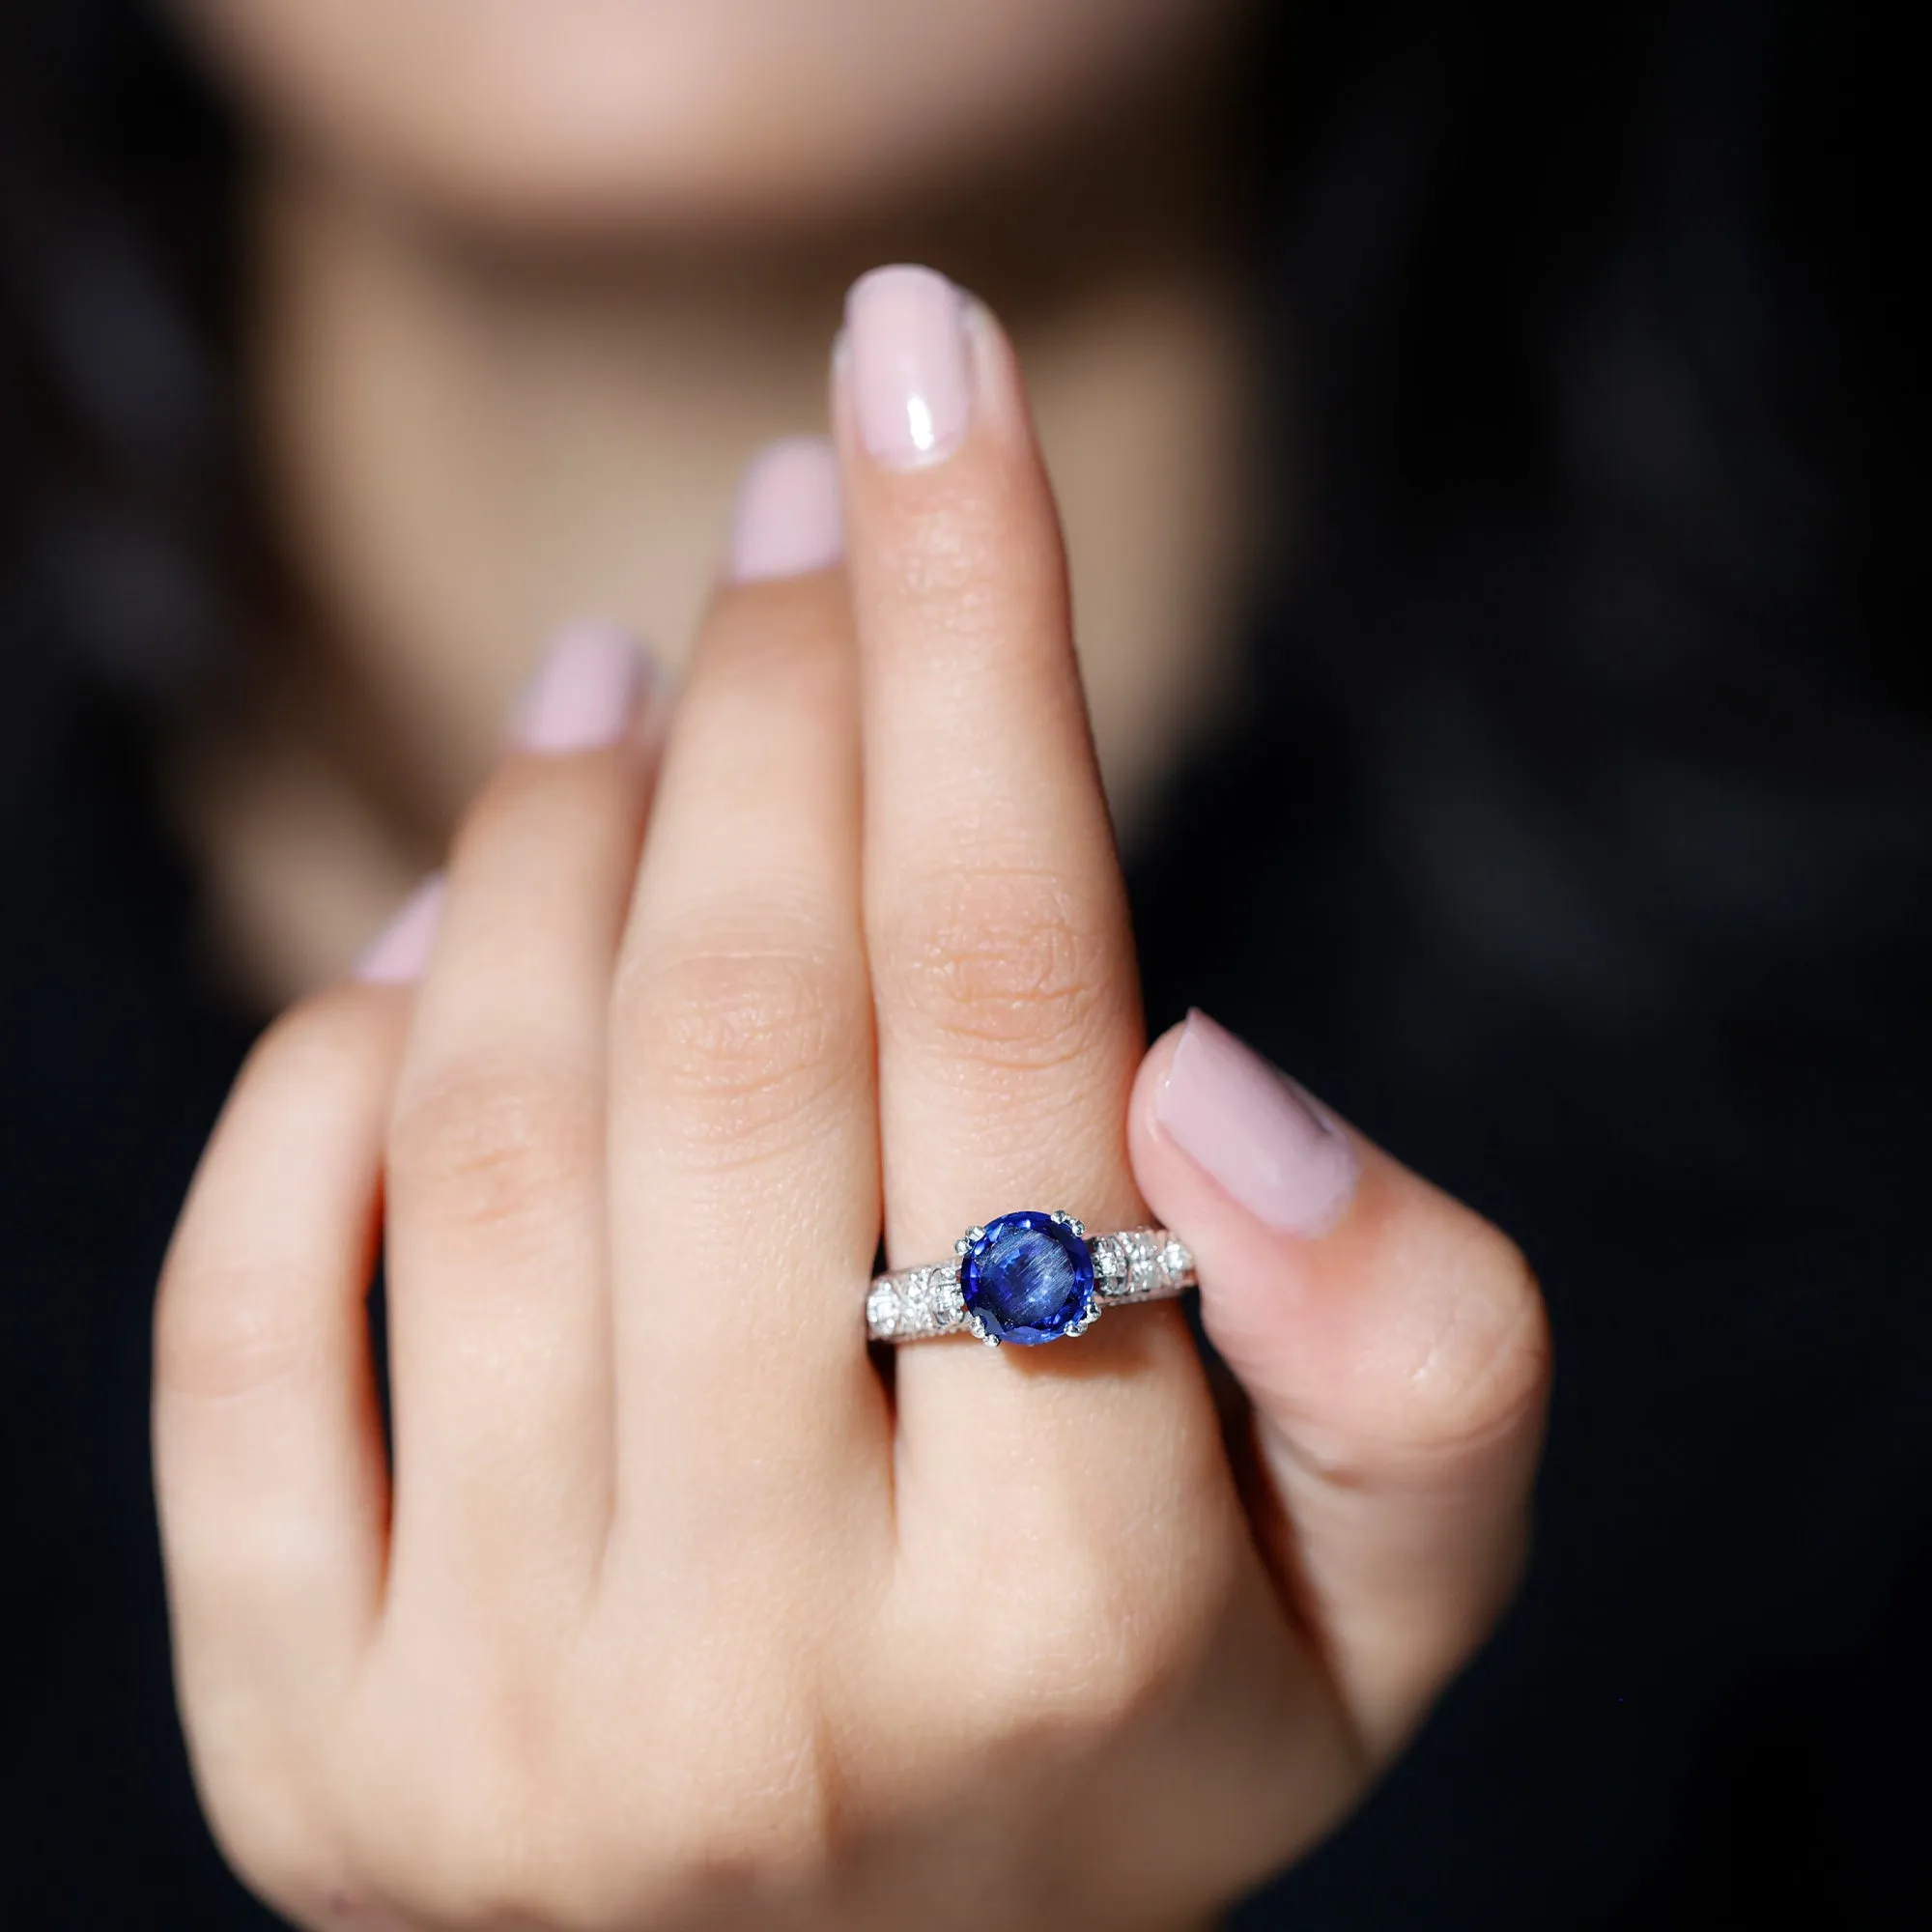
{"points": [[660, 113]]}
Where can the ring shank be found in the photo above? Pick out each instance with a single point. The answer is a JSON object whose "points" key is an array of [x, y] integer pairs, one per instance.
{"points": [[922, 1305]]}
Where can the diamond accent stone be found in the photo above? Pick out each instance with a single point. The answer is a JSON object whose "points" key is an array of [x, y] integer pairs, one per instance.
{"points": [[1110, 1265], [912, 1306], [1177, 1265], [1143, 1261]]}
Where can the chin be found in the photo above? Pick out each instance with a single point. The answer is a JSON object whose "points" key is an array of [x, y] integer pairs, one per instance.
{"points": [[545, 117]]}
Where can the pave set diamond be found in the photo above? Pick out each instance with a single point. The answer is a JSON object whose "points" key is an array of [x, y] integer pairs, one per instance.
{"points": [[1141, 1264], [921, 1303]]}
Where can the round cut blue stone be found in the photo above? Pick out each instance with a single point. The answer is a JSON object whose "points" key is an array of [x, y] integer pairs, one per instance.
{"points": [[1028, 1278]]}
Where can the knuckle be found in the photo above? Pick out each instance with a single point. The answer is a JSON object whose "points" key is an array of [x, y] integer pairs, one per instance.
{"points": [[758, 1815], [999, 965], [492, 1143], [525, 1832], [227, 1320], [1485, 1371], [495, 810], [324, 1043], [1084, 1641], [728, 1835], [222, 1329], [519, 812], [324, 1025], [274, 1840], [742, 1041], [786, 643], [454, 1842], [1107, 1664]]}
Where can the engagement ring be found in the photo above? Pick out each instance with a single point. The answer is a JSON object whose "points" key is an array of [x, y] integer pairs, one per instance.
{"points": [[1028, 1277]]}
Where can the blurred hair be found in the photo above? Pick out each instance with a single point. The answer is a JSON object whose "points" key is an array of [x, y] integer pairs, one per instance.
{"points": [[1606, 561], [1622, 269], [126, 545]]}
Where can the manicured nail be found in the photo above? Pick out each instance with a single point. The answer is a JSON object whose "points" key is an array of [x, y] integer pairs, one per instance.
{"points": [[788, 518], [583, 693], [1255, 1131], [912, 386], [399, 953]]}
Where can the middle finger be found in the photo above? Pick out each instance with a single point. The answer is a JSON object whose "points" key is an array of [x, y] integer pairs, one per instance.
{"points": [[743, 1161]]}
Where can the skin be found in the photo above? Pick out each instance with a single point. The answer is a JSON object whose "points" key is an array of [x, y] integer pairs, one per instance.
{"points": [[589, 118], [673, 1615]]}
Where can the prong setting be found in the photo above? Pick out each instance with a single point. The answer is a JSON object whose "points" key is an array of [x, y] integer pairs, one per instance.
{"points": [[1088, 1315], [979, 1331]]}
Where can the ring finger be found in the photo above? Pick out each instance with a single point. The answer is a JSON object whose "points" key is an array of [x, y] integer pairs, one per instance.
{"points": [[1003, 969]]}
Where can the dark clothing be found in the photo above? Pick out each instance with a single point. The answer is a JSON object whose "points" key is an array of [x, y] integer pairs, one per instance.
{"points": [[113, 1061], [1706, 1709]]}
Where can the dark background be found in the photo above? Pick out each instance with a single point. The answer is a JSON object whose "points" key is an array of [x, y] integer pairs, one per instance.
{"points": [[1579, 845]]}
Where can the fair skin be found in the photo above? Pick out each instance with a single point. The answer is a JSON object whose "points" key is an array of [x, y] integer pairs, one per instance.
{"points": [[672, 1610]]}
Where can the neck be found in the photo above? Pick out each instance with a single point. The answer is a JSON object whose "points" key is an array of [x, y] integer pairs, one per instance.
{"points": [[472, 445]]}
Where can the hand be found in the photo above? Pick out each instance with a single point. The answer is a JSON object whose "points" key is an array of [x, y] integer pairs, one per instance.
{"points": [[674, 1611]]}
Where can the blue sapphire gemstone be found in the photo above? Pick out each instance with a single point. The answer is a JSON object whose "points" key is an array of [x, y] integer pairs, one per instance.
{"points": [[1029, 1278]]}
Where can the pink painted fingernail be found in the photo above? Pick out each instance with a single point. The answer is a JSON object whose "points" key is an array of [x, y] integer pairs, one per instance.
{"points": [[582, 698], [788, 519], [1255, 1131], [398, 954], [911, 378]]}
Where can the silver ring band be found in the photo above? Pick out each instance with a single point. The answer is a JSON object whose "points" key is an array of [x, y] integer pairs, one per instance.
{"points": [[960, 1298]]}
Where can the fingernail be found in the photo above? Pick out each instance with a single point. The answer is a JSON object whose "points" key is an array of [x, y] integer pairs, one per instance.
{"points": [[1255, 1131], [788, 519], [583, 693], [399, 953], [912, 389]]}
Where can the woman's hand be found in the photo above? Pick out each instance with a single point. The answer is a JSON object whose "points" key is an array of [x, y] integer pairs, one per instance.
{"points": [[674, 1612]]}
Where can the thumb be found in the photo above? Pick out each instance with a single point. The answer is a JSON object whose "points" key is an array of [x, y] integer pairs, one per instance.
{"points": [[1393, 1345]]}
